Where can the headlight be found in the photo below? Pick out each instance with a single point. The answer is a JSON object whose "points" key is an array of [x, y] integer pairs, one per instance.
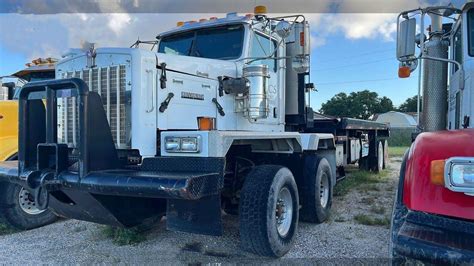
{"points": [[459, 174], [172, 144], [182, 144], [189, 144]]}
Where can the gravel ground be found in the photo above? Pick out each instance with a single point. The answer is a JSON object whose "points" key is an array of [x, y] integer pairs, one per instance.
{"points": [[73, 242]]}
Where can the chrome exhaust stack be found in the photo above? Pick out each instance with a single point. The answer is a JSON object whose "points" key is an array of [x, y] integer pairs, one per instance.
{"points": [[435, 79]]}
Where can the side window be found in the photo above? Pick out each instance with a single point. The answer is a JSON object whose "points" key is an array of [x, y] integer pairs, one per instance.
{"points": [[457, 52], [263, 47], [470, 31], [3, 93]]}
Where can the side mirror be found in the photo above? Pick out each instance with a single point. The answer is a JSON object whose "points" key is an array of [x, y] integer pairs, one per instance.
{"points": [[8, 89], [406, 37]]}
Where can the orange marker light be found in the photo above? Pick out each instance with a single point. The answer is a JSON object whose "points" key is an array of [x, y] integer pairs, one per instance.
{"points": [[212, 18], [404, 72], [206, 123], [179, 23], [437, 172], [302, 38], [259, 10]]}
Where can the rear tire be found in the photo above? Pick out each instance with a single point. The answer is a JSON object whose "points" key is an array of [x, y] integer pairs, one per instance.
{"points": [[19, 209], [268, 211], [380, 157], [364, 164], [316, 196]]}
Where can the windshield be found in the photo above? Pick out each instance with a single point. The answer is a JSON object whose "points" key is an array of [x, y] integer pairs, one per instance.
{"points": [[29, 77], [203, 43]]}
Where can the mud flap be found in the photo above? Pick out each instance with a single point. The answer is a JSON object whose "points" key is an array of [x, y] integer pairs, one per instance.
{"points": [[201, 216]]}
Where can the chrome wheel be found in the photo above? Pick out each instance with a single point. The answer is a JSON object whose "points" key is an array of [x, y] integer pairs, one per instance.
{"points": [[324, 190], [284, 211], [27, 202]]}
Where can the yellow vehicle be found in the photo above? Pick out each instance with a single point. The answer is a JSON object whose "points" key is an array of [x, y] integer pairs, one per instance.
{"points": [[17, 205], [9, 128]]}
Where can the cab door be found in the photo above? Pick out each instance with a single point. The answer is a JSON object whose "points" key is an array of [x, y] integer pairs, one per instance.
{"points": [[262, 46]]}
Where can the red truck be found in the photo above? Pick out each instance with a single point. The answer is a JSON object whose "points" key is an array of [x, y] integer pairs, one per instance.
{"points": [[433, 214]]}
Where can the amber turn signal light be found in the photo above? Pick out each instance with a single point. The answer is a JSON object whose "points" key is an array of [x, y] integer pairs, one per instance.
{"points": [[437, 172], [206, 123], [259, 10], [404, 72]]}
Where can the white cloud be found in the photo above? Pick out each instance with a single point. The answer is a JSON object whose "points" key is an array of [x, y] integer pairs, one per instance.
{"points": [[357, 26], [51, 35], [117, 22]]}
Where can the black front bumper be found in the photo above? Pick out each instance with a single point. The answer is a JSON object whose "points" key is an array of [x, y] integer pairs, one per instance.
{"points": [[431, 238], [188, 178], [186, 188], [165, 177]]}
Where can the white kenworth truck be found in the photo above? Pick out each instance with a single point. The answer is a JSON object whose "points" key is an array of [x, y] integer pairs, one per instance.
{"points": [[214, 118]]}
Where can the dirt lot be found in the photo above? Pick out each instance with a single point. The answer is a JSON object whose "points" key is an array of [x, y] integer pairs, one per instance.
{"points": [[358, 228]]}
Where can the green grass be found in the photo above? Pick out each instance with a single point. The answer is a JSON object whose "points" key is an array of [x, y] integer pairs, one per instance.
{"points": [[123, 236], [5, 229], [367, 220], [397, 151], [378, 209], [358, 179]]}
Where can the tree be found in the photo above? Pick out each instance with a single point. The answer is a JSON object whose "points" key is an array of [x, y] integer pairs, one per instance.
{"points": [[409, 105], [361, 104]]}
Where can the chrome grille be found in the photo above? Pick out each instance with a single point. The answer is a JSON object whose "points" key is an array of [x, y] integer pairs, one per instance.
{"points": [[109, 83]]}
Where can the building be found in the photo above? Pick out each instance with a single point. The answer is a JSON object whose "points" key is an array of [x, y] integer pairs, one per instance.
{"points": [[397, 119]]}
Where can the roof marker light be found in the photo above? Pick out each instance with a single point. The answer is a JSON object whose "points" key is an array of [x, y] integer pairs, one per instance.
{"points": [[260, 10]]}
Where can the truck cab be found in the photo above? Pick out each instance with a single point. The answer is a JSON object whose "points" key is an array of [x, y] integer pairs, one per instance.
{"points": [[215, 118]]}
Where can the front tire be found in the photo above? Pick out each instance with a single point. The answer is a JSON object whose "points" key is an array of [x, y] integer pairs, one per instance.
{"points": [[19, 208], [317, 193], [268, 211]]}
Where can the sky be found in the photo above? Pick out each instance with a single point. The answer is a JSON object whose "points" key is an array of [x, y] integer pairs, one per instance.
{"points": [[351, 50]]}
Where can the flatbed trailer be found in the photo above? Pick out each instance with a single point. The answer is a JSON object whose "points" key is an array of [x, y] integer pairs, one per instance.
{"points": [[357, 141]]}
